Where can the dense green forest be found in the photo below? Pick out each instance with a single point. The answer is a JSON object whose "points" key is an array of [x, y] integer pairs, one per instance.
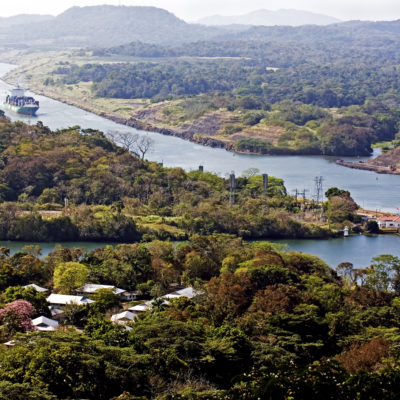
{"points": [[267, 324], [334, 97], [114, 195]]}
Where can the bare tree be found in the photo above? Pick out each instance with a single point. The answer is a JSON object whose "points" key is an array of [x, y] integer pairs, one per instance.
{"points": [[143, 145], [126, 139], [136, 144]]}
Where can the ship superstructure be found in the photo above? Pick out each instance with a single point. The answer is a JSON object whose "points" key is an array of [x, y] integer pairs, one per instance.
{"points": [[19, 103]]}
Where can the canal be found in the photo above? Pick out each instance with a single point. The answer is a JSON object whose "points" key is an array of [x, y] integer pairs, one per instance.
{"points": [[370, 190]]}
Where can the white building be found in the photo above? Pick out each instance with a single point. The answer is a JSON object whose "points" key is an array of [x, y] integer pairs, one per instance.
{"points": [[139, 308], [36, 287], [123, 317], [188, 292], [45, 324], [61, 300], [390, 221], [91, 288]]}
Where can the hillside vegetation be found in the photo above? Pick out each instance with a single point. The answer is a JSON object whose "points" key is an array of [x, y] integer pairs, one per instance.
{"points": [[266, 324], [331, 94], [115, 195]]}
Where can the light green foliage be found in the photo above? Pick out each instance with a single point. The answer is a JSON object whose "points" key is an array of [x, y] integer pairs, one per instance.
{"points": [[104, 299], [69, 276], [384, 273]]}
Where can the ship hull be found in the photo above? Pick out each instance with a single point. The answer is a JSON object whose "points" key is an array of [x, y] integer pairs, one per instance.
{"points": [[24, 110]]}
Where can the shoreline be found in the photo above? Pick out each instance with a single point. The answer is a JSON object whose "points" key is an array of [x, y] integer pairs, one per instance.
{"points": [[365, 166], [187, 134], [146, 126]]}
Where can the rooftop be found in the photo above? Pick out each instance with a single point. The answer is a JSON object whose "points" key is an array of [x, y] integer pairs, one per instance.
{"points": [[45, 324], [36, 287], [93, 287], [125, 315], [67, 299], [394, 218]]}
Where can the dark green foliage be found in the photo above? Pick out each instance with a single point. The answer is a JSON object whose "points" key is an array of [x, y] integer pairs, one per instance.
{"points": [[268, 324], [17, 391], [372, 226], [253, 146], [114, 196], [72, 366]]}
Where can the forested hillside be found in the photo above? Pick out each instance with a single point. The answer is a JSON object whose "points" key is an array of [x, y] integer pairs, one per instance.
{"points": [[115, 195], [266, 325], [306, 96]]}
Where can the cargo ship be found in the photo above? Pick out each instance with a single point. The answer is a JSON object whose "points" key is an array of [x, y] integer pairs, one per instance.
{"points": [[19, 103]]}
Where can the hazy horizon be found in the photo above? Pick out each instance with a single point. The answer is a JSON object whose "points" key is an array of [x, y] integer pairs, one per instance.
{"points": [[195, 9]]}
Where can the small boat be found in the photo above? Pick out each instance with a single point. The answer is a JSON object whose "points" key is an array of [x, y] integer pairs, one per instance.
{"points": [[19, 103]]}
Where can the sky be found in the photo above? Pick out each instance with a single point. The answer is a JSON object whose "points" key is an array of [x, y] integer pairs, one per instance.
{"points": [[191, 10]]}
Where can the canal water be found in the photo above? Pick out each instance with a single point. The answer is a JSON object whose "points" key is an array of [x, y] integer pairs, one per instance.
{"points": [[370, 190], [48, 247], [359, 250]]}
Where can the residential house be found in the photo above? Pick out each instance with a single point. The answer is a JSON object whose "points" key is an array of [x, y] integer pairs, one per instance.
{"points": [[61, 300], [36, 287], [91, 288], [188, 292], [123, 318], [45, 324]]}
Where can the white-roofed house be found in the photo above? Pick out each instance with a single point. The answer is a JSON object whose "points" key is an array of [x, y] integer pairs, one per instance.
{"points": [[188, 292], [64, 299], [142, 307], [91, 288], [123, 318], [59, 301], [36, 287], [45, 324]]}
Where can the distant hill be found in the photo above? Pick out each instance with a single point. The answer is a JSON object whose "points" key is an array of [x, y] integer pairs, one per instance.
{"points": [[23, 19], [271, 18], [108, 26], [357, 33], [267, 42]]}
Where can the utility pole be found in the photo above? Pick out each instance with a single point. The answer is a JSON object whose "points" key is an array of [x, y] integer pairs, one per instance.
{"points": [[232, 184], [298, 193], [265, 192], [318, 189], [319, 196]]}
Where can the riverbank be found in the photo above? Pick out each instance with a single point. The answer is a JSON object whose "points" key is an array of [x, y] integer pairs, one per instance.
{"points": [[366, 166], [387, 163], [203, 119]]}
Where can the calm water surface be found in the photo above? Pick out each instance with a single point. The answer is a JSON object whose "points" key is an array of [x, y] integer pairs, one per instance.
{"points": [[370, 190], [355, 249], [48, 247], [358, 250]]}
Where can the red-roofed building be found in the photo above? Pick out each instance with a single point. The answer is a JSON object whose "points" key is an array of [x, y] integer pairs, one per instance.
{"points": [[389, 221]]}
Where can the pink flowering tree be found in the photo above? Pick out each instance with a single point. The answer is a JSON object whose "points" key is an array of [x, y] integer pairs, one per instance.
{"points": [[16, 317]]}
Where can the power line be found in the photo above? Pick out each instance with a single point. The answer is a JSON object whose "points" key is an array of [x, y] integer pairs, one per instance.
{"points": [[318, 196]]}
